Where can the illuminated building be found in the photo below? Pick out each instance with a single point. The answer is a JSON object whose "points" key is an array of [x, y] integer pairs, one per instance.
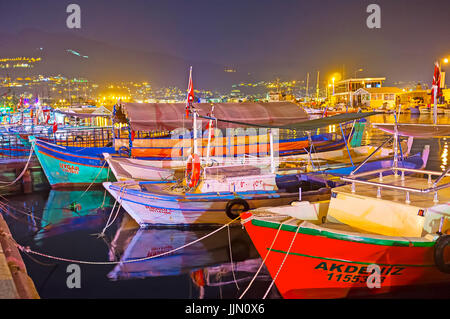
{"points": [[377, 97], [344, 90]]}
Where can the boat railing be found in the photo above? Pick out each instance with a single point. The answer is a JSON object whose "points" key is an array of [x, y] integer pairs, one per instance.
{"points": [[433, 185], [80, 137], [12, 145]]}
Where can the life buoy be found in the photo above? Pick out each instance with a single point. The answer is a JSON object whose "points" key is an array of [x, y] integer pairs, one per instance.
{"points": [[231, 210], [193, 170], [439, 253]]}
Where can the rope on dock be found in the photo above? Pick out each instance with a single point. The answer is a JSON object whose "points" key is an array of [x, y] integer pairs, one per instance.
{"points": [[28, 250], [23, 172]]}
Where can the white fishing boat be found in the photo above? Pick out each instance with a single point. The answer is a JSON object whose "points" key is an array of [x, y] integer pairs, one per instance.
{"points": [[144, 170], [219, 195]]}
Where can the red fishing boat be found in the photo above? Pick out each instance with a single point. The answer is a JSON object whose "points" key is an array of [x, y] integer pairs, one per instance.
{"points": [[373, 236]]}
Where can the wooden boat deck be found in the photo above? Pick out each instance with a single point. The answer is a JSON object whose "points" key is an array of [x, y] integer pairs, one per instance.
{"points": [[329, 226], [425, 200]]}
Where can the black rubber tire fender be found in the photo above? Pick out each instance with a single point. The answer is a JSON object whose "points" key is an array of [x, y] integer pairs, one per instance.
{"points": [[439, 253], [235, 202]]}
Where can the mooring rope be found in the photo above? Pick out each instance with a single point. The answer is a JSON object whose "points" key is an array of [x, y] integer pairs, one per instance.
{"points": [[101, 169], [23, 171], [104, 193], [27, 250], [108, 224], [282, 263], [231, 256], [263, 262]]}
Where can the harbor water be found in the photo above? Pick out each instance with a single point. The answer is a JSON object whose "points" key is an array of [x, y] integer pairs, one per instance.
{"points": [[68, 223]]}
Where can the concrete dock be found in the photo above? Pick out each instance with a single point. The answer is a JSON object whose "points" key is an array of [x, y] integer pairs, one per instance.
{"points": [[14, 280]]}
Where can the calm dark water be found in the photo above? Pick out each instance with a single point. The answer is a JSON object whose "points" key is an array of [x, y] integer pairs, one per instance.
{"points": [[67, 224]]}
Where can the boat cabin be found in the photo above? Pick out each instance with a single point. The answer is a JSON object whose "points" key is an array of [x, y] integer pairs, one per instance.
{"points": [[237, 178]]}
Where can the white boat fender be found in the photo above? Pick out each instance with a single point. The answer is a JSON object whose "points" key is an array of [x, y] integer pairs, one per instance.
{"points": [[439, 253], [230, 208]]}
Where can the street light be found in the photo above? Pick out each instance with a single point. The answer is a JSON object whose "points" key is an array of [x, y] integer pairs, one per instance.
{"points": [[359, 70], [442, 61]]}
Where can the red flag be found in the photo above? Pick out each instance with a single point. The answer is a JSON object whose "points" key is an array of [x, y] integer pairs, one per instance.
{"points": [[190, 94], [55, 127], [436, 82]]}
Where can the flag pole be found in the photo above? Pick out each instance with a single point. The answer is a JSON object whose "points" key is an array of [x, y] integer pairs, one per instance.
{"points": [[191, 91], [208, 150], [435, 105]]}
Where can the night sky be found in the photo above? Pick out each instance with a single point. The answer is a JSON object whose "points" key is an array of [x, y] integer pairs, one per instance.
{"points": [[290, 37]]}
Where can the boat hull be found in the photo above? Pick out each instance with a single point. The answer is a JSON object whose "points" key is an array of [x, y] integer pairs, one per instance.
{"points": [[71, 166], [151, 209], [333, 264]]}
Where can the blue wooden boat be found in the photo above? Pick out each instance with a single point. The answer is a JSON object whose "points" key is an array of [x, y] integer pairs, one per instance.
{"points": [[67, 166]]}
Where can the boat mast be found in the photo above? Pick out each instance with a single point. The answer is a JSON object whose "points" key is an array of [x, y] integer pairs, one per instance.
{"points": [[317, 87], [208, 149], [272, 163], [395, 144], [307, 84]]}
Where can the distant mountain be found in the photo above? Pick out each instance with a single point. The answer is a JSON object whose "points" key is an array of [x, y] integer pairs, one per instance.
{"points": [[106, 62]]}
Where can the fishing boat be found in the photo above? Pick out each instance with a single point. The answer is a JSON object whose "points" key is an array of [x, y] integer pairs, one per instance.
{"points": [[215, 194], [375, 235], [71, 154], [223, 191], [68, 166], [230, 137], [137, 169], [324, 249], [214, 198]]}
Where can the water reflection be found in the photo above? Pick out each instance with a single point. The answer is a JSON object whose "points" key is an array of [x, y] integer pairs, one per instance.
{"points": [[209, 263], [69, 210]]}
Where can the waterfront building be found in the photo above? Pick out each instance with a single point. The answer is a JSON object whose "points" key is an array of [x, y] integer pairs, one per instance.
{"points": [[377, 97], [344, 90]]}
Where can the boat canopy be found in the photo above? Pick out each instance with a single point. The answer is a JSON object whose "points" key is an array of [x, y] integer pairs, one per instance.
{"points": [[325, 121], [416, 130], [169, 116]]}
